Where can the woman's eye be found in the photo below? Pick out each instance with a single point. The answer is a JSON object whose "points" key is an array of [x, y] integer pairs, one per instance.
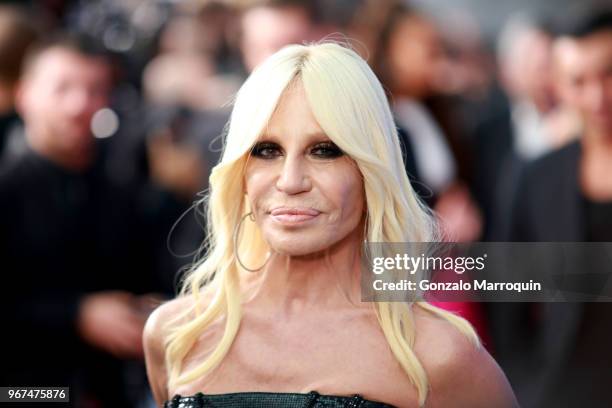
{"points": [[266, 150], [326, 150]]}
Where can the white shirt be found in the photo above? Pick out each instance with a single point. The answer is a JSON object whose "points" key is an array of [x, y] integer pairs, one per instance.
{"points": [[433, 157]]}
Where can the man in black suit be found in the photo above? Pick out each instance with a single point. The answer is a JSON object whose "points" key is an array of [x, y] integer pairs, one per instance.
{"points": [[73, 246], [560, 354], [516, 132]]}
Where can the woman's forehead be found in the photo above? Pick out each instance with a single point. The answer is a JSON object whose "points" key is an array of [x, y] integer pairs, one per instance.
{"points": [[293, 117]]}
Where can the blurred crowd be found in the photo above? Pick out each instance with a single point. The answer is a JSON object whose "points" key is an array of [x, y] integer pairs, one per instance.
{"points": [[112, 115]]}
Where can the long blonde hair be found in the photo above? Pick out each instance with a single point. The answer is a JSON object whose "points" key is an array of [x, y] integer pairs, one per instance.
{"points": [[350, 105]]}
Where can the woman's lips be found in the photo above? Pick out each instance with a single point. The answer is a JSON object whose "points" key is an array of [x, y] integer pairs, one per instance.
{"points": [[293, 215]]}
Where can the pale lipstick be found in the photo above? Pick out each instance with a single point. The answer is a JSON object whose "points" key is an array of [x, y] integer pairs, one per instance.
{"points": [[293, 215]]}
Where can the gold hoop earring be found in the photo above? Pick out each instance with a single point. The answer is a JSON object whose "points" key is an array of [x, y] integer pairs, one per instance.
{"points": [[235, 239]]}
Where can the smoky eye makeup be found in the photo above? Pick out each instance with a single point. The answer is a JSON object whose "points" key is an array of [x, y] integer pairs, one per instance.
{"points": [[321, 150], [326, 150], [266, 150]]}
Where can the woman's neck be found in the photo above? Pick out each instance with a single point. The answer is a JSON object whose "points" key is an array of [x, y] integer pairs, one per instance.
{"points": [[289, 285]]}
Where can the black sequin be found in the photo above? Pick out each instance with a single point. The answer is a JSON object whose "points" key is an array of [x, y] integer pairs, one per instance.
{"points": [[269, 399]]}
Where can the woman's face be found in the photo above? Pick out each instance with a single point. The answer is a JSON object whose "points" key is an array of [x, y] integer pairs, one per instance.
{"points": [[415, 54], [305, 193]]}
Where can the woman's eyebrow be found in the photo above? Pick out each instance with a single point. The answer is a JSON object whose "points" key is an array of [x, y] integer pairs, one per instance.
{"points": [[315, 136], [268, 137], [318, 136]]}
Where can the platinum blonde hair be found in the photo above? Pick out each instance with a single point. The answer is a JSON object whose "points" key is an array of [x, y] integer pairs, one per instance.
{"points": [[350, 105]]}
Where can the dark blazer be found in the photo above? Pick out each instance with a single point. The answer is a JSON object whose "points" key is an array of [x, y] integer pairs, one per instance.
{"points": [[497, 167], [553, 352], [547, 204], [64, 235], [422, 190]]}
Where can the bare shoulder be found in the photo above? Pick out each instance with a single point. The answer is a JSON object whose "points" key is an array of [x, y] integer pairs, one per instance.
{"points": [[164, 313], [176, 310], [461, 373], [154, 336], [156, 327]]}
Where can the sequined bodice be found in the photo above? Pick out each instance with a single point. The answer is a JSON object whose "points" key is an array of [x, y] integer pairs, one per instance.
{"points": [[269, 399]]}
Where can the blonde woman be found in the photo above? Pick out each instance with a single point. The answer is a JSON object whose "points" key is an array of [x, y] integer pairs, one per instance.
{"points": [[272, 316]]}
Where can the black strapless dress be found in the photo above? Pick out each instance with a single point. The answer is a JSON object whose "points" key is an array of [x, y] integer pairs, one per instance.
{"points": [[271, 400]]}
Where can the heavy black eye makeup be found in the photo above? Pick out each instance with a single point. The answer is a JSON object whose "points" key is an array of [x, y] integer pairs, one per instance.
{"points": [[326, 150], [266, 150], [319, 150]]}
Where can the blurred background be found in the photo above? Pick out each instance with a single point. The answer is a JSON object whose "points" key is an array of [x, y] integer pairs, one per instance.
{"points": [[112, 115]]}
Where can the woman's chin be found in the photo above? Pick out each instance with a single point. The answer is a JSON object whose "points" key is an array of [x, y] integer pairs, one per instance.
{"points": [[297, 247]]}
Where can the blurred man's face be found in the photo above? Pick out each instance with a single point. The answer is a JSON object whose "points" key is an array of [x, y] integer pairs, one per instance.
{"points": [[526, 71], [584, 78], [265, 30], [58, 97]]}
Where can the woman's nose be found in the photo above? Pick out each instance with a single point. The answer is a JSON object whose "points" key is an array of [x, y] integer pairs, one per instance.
{"points": [[294, 177]]}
